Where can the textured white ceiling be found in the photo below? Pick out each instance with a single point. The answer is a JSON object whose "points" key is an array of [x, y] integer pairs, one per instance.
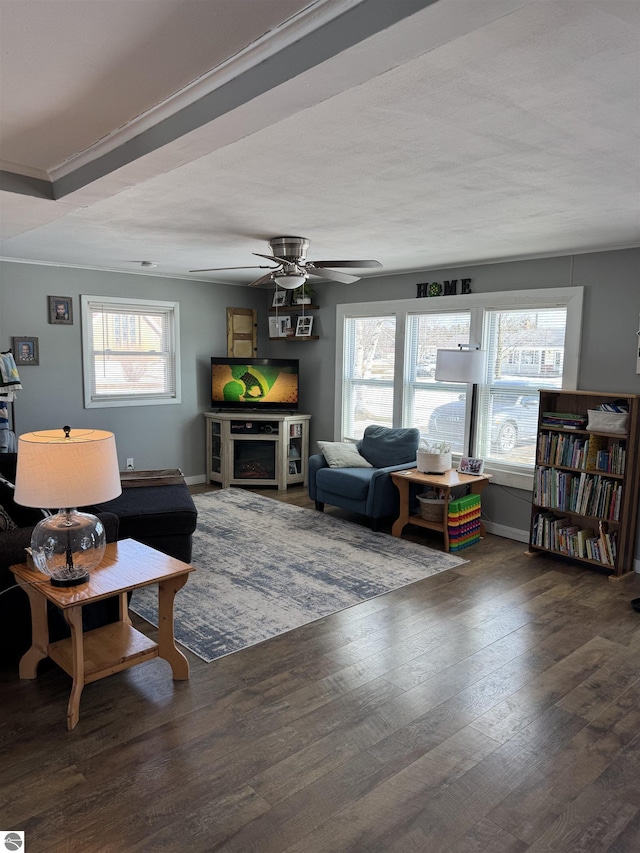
{"points": [[466, 132]]}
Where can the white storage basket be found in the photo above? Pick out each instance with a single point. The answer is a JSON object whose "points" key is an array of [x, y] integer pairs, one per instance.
{"points": [[433, 463], [615, 422]]}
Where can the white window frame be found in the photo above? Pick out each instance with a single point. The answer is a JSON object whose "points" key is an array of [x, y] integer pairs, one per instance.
{"points": [[477, 303], [172, 309]]}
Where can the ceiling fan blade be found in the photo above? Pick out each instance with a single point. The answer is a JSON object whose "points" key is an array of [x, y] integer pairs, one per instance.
{"points": [[271, 258], [361, 264], [262, 280], [332, 275], [214, 269]]}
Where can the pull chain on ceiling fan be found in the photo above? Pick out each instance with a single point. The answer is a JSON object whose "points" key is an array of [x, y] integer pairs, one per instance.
{"points": [[293, 268]]}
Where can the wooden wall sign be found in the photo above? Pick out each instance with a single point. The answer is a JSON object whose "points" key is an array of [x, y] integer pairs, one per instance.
{"points": [[447, 288], [242, 327]]}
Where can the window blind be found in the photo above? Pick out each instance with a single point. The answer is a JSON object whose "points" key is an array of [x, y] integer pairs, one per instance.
{"points": [[130, 351], [369, 363]]}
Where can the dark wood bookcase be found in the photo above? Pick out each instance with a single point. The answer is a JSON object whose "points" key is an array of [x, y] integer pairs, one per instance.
{"points": [[586, 484]]}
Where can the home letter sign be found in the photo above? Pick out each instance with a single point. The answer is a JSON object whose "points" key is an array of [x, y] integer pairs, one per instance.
{"points": [[448, 288]]}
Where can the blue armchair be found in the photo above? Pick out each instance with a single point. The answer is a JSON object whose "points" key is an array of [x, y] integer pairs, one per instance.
{"points": [[368, 491]]}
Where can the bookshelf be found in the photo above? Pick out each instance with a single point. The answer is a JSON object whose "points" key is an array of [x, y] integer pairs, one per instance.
{"points": [[587, 478]]}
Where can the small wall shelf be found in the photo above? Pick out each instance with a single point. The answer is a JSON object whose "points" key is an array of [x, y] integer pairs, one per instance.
{"points": [[283, 309], [298, 338]]}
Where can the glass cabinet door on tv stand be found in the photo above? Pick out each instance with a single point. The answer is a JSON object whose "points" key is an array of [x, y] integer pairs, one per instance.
{"points": [[262, 449]]}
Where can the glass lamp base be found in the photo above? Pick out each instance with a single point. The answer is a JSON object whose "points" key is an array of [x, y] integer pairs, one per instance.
{"points": [[67, 545], [74, 581]]}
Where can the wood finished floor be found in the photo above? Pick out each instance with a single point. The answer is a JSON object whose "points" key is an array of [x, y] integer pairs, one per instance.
{"points": [[493, 708]]}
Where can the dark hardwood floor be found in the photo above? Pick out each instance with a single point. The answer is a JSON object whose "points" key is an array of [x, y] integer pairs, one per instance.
{"points": [[493, 708]]}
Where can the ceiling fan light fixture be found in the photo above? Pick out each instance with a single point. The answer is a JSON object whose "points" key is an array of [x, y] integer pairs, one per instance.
{"points": [[289, 281]]}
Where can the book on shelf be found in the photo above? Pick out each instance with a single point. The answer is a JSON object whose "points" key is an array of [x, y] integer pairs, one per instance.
{"points": [[560, 534], [564, 420]]}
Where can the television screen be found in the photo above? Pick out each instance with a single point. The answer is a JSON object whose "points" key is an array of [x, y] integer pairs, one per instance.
{"points": [[254, 383]]}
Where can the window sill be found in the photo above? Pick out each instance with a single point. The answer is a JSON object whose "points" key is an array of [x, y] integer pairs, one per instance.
{"points": [[512, 477]]}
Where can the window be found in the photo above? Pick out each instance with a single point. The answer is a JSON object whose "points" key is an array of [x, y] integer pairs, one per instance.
{"points": [[368, 375], [525, 352], [130, 352], [436, 408], [386, 366]]}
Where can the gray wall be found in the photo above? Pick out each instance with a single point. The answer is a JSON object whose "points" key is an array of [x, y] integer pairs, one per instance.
{"points": [[155, 436], [610, 322], [173, 436]]}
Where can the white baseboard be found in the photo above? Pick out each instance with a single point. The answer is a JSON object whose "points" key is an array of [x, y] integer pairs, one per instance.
{"points": [[196, 480], [507, 532]]}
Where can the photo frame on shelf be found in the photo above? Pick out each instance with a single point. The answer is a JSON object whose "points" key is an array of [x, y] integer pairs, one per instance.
{"points": [[293, 468], [60, 310], [274, 327], [280, 298], [25, 351], [470, 465], [304, 327], [279, 327]]}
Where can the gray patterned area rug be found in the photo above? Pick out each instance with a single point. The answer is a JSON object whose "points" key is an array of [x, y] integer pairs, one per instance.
{"points": [[264, 567]]}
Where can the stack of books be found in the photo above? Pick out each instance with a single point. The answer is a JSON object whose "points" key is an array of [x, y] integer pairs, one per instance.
{"points": [[564, 420]]}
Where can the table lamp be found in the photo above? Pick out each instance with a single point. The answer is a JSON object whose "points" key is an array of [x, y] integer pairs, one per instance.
{"points": [[58, 468], [465, 364]]}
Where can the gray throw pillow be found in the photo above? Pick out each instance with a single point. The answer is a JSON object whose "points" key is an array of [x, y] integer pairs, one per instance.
{"points": [[342, 454]]}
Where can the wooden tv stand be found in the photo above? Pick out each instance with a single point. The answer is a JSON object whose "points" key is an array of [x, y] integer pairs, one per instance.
{"points": [[257, 448]]}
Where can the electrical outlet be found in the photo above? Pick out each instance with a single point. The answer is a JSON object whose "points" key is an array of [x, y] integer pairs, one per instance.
{"points": [[130, 463]]}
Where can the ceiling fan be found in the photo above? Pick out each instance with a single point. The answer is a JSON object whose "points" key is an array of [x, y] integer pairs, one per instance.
{"points": [[293, 268]]}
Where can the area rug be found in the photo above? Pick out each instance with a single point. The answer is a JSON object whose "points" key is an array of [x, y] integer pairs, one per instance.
{"points": [[264, 567]]}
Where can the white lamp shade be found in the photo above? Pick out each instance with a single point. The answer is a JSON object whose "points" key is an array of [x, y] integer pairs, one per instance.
{"points": [[291, 281], [56, 471], [460, 365]]}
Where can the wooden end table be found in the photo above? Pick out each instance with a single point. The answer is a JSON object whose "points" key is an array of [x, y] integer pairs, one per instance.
{"points": [[447, 482], [87, 657]]}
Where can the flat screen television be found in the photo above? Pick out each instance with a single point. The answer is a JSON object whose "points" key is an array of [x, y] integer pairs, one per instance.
{"points": [[255, 383]]}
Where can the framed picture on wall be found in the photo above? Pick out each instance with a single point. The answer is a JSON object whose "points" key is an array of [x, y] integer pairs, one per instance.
{"points": [[25, 351], [61, 310]]}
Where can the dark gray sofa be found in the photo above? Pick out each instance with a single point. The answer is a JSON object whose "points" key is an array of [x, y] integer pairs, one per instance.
{"points": [[163, 517]]}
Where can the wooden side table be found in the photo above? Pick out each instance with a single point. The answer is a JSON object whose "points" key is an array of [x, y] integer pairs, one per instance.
{"points": [[87, 657], [447, 481]]}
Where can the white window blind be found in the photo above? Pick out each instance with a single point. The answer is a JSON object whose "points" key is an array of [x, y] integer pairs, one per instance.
{"points": [[131, 351], [438, 409], [368, 374], [525, 352]]}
